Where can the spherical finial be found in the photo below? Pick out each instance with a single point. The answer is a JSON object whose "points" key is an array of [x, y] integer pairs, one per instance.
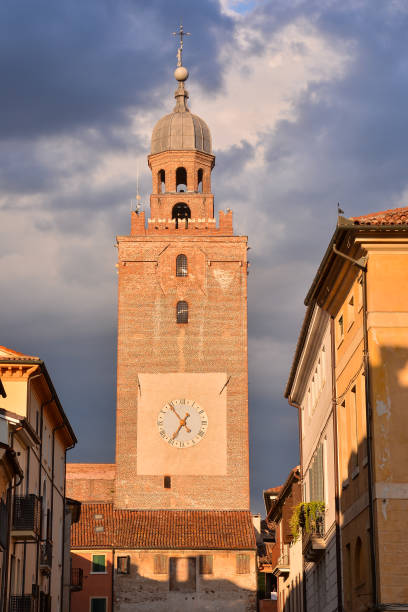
{"points": [[181, 73]]}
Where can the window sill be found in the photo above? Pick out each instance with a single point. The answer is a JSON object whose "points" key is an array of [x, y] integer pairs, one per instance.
{"points": [[98, 573], [365, 461], [345, 483]]}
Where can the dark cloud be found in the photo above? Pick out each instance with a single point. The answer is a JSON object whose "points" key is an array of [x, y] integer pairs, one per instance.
{"points": [[67, 66], [80, 72]]}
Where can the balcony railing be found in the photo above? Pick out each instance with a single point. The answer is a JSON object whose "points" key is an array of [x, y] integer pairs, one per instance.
{"points": [[313, 543], [27, 516], [3, 525], [22, 603], [46, 555], [77, 576]]}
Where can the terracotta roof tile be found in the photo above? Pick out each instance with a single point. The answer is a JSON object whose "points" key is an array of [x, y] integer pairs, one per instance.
{"points": [[161, 529], [393, 216]]}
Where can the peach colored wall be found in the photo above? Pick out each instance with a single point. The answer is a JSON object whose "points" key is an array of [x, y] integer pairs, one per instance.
{"points": [[155, 455], [94, 585]]}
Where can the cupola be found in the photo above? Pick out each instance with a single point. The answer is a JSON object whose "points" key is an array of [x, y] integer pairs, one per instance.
{"points": [[181, 130]]}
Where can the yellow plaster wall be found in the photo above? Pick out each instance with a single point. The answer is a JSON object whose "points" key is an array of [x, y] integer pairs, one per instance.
{"points": [[16, 400]]}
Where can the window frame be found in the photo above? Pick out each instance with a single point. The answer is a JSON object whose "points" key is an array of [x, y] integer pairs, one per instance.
{"points": [[93, 564], [93, 598], [181, 265], [181, 316]]}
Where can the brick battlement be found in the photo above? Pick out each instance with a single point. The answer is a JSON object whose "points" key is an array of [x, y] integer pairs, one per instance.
{"points": [[181, 226]]}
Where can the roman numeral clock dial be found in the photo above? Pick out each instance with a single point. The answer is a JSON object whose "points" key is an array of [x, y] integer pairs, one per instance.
{"points": [[182, 423]]}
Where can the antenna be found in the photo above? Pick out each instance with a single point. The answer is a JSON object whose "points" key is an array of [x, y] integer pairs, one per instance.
{"points": [[137, 190], [339, 210]]}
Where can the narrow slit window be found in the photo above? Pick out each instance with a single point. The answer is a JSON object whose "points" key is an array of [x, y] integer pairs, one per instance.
{"points": [[167, 482], [200, 181], [182, 312], [181, 265], [162, 181]]}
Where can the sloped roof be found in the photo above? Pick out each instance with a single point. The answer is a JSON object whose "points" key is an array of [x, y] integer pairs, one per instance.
{"points": [[7, 353], [162, 529], [392, 216]]}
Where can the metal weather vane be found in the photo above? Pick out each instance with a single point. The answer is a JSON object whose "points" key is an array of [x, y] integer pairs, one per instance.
{"points": [[180, 32]]}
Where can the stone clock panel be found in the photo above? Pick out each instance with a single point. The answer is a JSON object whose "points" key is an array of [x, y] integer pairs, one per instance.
{"points": [[181, 424]]}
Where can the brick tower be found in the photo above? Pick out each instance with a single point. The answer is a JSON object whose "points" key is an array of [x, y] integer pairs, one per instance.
{"points": [[169, 523], [182, 421]]}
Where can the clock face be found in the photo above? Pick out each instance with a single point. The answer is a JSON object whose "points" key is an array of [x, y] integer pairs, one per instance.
{"points": [[182, 423]]}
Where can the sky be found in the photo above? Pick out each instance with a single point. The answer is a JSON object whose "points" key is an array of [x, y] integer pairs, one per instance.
{"points": [[307, 104]]}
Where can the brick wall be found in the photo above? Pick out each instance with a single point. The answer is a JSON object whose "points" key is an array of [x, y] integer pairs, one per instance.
{"points": [[90, 482], [150, 341]]}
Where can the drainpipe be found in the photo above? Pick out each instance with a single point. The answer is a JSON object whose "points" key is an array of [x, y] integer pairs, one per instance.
{"points": [[52, 496], [63, 532], [43, 405], [361, 264], [336, 470], [299, 409], [7, 578]]}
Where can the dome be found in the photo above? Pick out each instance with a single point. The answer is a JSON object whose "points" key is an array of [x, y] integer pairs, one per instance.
{"points": [[181, 130]]}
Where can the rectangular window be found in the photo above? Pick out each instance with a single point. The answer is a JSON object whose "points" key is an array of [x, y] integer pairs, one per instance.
{"points": [[123, 565], [167, 482], [242, 561], [350, 312], [98, 564], [206, 564], [98, 604], [316, 476], [160, 564], [354, 425], [340, 329]]}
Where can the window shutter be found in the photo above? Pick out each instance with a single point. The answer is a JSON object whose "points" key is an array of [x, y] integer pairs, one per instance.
{"points": [[206, 564], [160, 564], [242, 563], [123, 565]]}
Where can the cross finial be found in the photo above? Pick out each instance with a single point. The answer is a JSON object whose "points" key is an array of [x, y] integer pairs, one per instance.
{"points": [[180, 32]]}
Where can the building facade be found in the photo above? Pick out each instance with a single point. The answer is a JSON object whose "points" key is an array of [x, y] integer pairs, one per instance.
{"points": [[182, 397], [34, 437], [310, 390], [286, 552], [362, 285]]}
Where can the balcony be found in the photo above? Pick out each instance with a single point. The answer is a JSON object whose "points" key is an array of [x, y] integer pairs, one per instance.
{"points": [[77, 575], [3, 525], [282, 568], [22, 603], [313, 543], [26, 517], [45, 556]]}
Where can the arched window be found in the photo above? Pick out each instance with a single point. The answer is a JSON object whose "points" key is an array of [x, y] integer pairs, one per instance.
{"points": [[181, 179], [182, 312], [181, 265], [200, 181], [161, 181], [180, 211]]}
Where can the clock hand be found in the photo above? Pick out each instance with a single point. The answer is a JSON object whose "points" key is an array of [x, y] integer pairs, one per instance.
{"points": [[176, 432], [174, 410], [182, 424]]}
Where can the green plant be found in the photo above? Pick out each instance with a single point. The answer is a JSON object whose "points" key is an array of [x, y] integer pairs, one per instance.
{"points": [[306, 517]]}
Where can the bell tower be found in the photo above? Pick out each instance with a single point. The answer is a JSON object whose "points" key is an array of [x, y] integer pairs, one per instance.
{"points": [[182, 392]]}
